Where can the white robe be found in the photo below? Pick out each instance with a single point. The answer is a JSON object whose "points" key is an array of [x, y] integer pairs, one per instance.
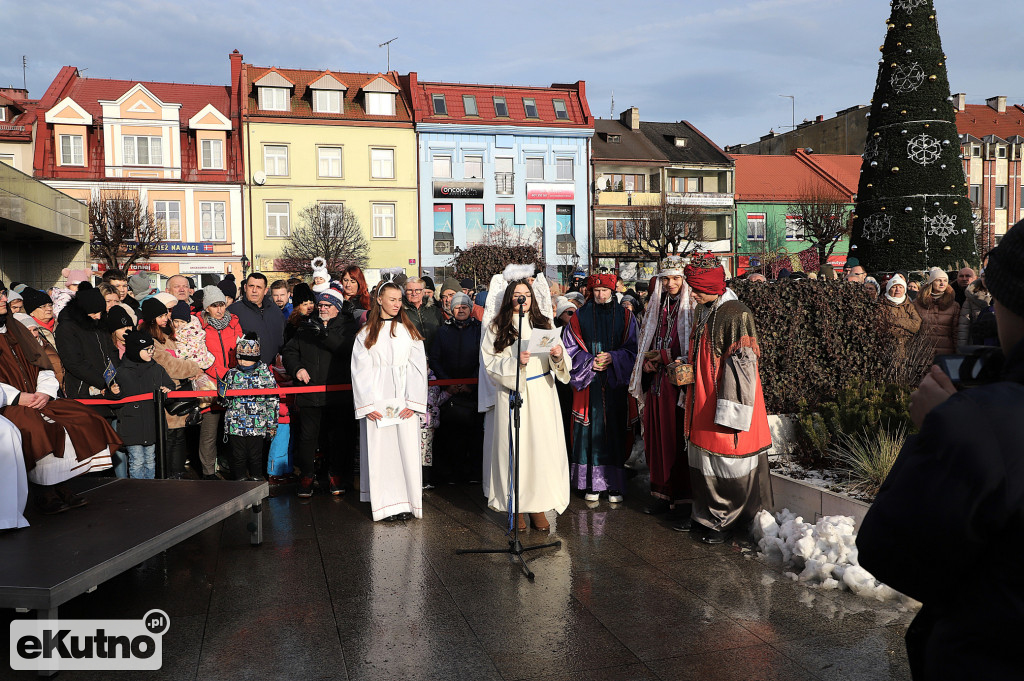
{"points": [[390, 473], [543, 463], [13, 482]]}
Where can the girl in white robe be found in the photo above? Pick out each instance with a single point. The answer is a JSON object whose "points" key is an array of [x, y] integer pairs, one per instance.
{"points": [[393, 366], [543, 463]]}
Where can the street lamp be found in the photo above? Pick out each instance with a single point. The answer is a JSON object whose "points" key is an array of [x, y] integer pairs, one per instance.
{"points": [[245, 266]]}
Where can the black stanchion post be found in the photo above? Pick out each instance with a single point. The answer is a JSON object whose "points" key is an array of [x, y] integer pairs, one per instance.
{"points": [[161, 434]]}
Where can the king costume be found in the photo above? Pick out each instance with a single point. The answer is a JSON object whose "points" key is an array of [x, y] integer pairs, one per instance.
{"points": [[726, 420], [601, 437]]}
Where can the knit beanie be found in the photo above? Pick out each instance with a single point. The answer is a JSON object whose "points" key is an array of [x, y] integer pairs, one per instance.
{"points": [[228, 286], [212, 295], [936, 273], [428, 283], [90, 301], [320, 272], [873, 283], [117, 319], [332, 296], [135, 342], [461, 298], [563, 304], [139, 284], [73, 277], [34, 299], [26, 320], [896, 279], [1004, 274], [166, 298], [182, 310], [152, 308], [13, 295], [19, 287], [451, 284], [248, 347], [467, 283], [302, 294]]}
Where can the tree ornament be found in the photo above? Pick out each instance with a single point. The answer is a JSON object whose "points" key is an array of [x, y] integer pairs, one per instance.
{"points": [[923, 149], [877, 227], [885, 105], [909, 51], [895, 169], [940, 225], [945, 143], [908, 5], [909, 209], [906, 79], [904, 112], [891, 240], [946, 248], [874, 164]]}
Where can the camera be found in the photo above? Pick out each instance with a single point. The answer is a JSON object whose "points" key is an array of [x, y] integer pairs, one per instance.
{"points": [[980, 367]]}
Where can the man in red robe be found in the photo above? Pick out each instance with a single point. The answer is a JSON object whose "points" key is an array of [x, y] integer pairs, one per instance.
{"points": [[726, 420]]}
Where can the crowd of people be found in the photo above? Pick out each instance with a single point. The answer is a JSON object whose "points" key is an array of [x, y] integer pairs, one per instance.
{"points": [[671, 363]]}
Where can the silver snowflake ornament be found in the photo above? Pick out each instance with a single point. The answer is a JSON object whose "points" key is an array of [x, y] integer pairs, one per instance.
{"points": [[872, 149], [876, 227], [906, 78], [908, 5], [941, 225], [923, 149]]}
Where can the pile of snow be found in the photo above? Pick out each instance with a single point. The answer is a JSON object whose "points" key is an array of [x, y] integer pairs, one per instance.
{"points": [[825, 553]]}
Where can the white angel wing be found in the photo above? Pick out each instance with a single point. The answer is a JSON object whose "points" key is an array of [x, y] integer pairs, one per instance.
{"points": [[542, 296], [495, 293]]}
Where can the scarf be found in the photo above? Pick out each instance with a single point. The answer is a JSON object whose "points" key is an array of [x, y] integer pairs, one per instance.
{"points": [[47, 325], [219, 324], [894, 300]]}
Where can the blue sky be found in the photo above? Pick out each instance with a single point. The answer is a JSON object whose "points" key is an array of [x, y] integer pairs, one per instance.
{"points": [[721, 65]]}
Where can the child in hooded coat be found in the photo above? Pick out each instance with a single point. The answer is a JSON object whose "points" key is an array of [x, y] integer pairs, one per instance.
{"points": [[138, 374]]}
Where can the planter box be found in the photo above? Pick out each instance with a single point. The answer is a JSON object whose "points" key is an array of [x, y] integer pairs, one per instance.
{"points": [[813, 502]]}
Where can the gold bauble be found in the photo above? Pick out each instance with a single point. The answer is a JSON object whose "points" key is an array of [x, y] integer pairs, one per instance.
{"points": [[946, 248], [909, 24], [892, 241], [895, 169], [927, 125], [933, 77]]}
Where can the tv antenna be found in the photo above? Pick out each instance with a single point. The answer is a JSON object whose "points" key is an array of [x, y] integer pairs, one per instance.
{"points": [[387, 44], [24, 71], [613, 104]]}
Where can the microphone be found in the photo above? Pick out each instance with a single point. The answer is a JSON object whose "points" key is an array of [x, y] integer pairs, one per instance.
{"points": [[521, 300]]}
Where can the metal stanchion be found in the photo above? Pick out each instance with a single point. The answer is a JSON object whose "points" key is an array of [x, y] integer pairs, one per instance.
{"points": [[161, 434]]}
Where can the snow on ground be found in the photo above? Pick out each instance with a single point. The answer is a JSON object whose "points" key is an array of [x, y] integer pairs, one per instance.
{"points": [[823, 554]]}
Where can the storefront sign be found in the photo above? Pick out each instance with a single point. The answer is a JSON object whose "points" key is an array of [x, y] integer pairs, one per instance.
{"points": [[549, 191], [176, 247], [458, 189], [201, 268], [135, 267]]}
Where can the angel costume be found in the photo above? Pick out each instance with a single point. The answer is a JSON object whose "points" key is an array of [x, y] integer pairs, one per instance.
{"points": [[13, 483], [390, 472], [543, 463]]}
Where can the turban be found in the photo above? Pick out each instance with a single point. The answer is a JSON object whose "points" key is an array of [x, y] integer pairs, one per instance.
{"points": [[705, 274], [601, 281]]}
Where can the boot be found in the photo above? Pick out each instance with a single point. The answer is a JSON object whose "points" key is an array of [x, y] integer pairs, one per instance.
{"points": [[540, 522], [521, 520]]}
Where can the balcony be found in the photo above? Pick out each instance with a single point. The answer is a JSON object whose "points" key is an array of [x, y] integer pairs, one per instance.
{"points": [[711, 199], [610, 198]]}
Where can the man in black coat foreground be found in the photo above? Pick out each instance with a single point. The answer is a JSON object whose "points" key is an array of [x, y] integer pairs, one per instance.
{"points": [[257, 312], [946, 525]]}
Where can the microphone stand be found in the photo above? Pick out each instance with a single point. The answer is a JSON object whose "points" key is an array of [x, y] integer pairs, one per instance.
{"points": [[515, 547]]}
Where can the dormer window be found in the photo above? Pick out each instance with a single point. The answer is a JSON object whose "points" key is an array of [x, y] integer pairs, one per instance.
{"points": [[500, 107], [530, 106], [681, 141], [614, 139], [327, 101], [561, 113], [1000, 151], [274, 98], [440, 106], [380, 104], [469, 103], [3, 113]]}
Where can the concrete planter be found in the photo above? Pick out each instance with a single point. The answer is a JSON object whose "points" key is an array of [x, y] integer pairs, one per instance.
{"points": [[813, 502]]}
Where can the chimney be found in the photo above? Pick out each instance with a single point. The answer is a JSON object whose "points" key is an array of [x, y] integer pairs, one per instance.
{"points": [[997, 103], [960, 101], [630, 118], [819, 118]]}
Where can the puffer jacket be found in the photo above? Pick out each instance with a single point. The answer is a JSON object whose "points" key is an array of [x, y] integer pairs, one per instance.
{"points": [[221, 344], [166, 355], [977, 299], [251, 415], [85, 347], [940, 319], [903, 317], [325, 352]]}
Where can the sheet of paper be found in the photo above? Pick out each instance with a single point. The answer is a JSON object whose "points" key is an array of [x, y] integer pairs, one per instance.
{"points": [[389, 410], [109, 373], [542, 340]]}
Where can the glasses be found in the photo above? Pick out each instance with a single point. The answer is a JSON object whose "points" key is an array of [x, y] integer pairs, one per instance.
{"points": [[414, 290], [324, 306], [151, 350]]}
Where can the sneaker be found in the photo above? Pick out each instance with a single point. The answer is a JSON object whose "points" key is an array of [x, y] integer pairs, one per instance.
{"points": [[593, 496], [337, 486], [715, 536], [614, 496], [305, 488]]}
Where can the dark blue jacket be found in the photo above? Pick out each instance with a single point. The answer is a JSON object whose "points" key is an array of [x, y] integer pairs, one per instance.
{"points": [[136, 421], [266, 321], [456, 351]]}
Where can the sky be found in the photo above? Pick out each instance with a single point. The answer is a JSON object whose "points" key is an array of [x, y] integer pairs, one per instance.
{"points": [[721, 65]]}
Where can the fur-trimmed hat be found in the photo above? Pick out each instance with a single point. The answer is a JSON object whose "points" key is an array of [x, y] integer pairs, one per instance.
{"points": [[320, 272], [515, 272], [248, 347]]}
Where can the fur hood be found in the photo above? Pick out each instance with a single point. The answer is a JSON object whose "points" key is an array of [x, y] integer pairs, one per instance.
{"points": [[978, 294], [924, 298]]}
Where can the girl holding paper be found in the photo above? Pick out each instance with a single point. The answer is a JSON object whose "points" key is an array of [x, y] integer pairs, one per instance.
{"points": [[543, 464], [389, 368]]}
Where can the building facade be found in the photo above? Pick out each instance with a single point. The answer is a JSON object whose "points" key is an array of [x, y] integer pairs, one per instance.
{"points": [[328, 137], [17, 117], [173, 147], [504, 164]]}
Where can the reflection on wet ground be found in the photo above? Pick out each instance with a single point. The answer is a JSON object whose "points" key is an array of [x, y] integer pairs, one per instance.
{"points": [[332, 595]]}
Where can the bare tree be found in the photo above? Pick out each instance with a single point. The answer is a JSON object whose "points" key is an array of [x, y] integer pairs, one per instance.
{"points": [[824, 214], [327, 231], [658, 231], [502, 245], [122, 229]]}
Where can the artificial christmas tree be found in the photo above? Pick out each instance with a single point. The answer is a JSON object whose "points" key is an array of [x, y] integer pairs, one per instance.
{"points": [[912, 209]]}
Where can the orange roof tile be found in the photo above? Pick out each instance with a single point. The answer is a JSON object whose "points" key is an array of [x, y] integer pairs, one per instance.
{"points": [[981, 119], [787, 178], [579, 114]]}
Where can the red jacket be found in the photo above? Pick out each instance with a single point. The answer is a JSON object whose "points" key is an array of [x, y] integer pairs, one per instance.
{"points": [[222, 345]]}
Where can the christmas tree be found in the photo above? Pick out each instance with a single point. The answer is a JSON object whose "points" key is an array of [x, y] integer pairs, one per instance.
{"points": [[912, 208]]}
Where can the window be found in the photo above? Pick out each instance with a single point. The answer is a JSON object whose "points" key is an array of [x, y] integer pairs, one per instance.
{"points": [[469, 104], [380, 104], [274, 98], [755, 226], [211, 221], [794, 228], [142, 151], [474, 167], [442, 166], [212, 155], [168, 219], [530, 106], [680, 141], [329, 161], [440, 106], [383, 220], [1000, 151], [327, 101], [561, 113], [278, 219], [614, 139], [624, 183], [621, 229], [535, 169], [1001, 196], [500, 107], [504, 179], [975, 194], [71, 153], [275, 159], [976, 150], [3, 113], [685, 184], [382, 162], [564, 169]]}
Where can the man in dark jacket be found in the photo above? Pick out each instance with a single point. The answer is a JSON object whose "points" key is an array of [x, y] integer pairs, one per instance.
{"points": [[257, 312], [321, 354], [456, 354], [944, 526], [85, 346], [425, 316]]}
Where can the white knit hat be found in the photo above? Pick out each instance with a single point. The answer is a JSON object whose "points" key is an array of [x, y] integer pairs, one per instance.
{"points": [[320, 271], [937, 273]]}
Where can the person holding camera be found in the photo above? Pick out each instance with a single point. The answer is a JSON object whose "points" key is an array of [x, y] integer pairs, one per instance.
{"points": [[944, 527]]}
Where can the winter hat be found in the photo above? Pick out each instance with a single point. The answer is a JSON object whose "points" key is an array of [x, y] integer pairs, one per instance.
{"points": [[575, 297], [873, 283], [896, 279], [936, 273], [1003, 274], [451, 284], [13, 295], [26, 320], [228, 287], [428, 283], [212, 295], [783, 273], [131, 313], [34, 299], [852, 262], [117, 319], [90, 301], [19, 287], [632, 301], [167, 299], [302, 294], [563, 304], [152, 308], [461, 298], [197, 301], [73, 277], [139, 285], [320, 272], [248, 347], [182, 310], [135, 342], [467, 283], [332, 296]]}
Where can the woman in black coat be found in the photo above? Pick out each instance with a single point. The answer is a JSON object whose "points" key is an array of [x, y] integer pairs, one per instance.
{"points": [[85, 346]]}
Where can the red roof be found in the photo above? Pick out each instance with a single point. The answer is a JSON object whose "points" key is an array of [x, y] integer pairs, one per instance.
{"points": [[89, 92], [302, 99], [573, 95], [787, 178], [981, 119]]}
